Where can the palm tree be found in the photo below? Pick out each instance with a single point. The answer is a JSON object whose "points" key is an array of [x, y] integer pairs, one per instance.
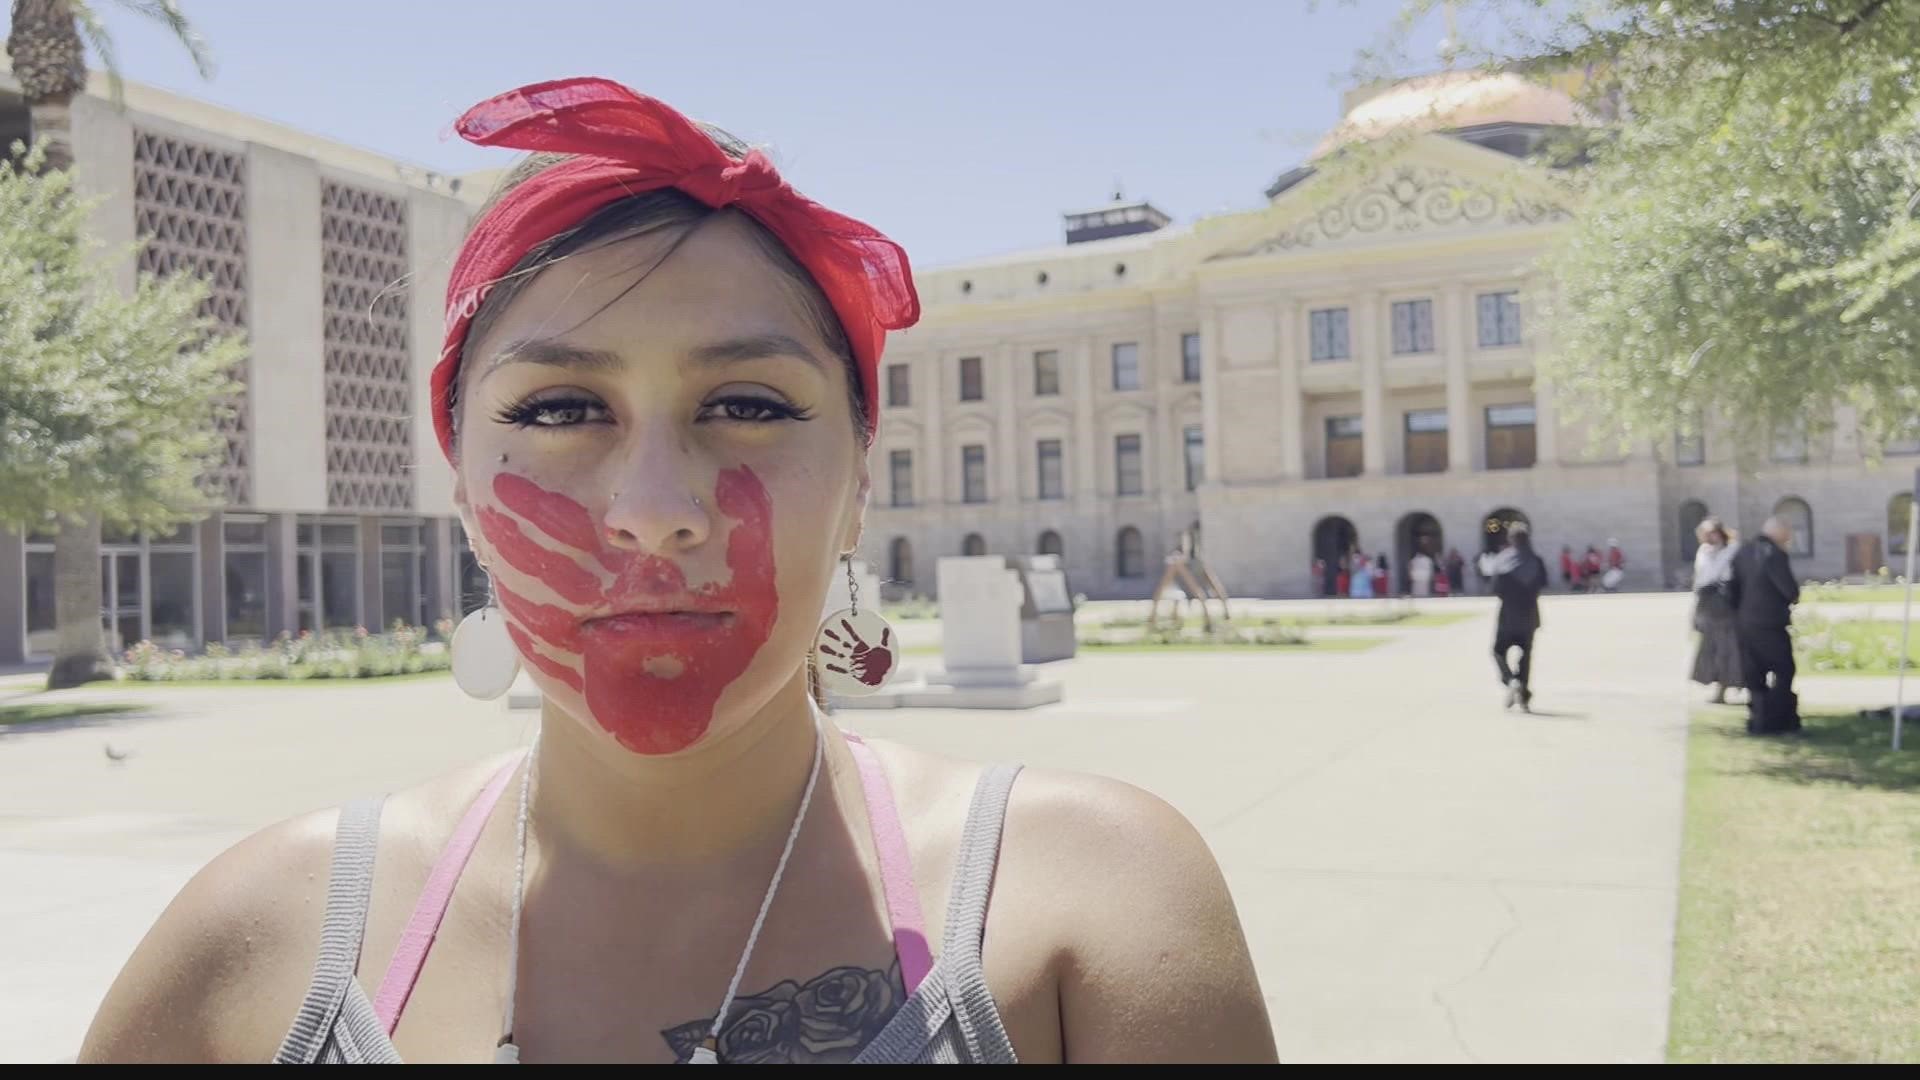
{"points": [[47, 46]]}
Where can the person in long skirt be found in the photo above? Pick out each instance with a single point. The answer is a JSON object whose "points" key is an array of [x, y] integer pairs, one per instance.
{"points": [[1717, 661], [1361, 583]]}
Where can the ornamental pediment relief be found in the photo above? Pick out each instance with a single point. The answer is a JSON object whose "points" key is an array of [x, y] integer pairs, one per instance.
{"points": [[1406, 199]]}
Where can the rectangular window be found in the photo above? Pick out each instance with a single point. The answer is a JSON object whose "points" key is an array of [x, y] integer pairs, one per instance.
{"points": [[1126, 365], [1790, 443], [1510, 437], [244, 567], [326, 576], [42, 624], [972, 384], [1427, 441], [339, 589], [1189, 357], [468, 579], [1499, 318], [973, 474], [1046, 373], [1128, 477], [1689, 449], [1195, 439], [1344, 435], [1052, 476], [899, 388], [1412, 327], [1329, 326], [401, 597], [900, 478], [173, 606]]}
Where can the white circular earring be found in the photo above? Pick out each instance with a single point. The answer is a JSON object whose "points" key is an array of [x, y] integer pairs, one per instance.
{"points": [[485, 659], [854, 652]]}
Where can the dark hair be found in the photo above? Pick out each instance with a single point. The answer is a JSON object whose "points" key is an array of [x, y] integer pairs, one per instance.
{"points": [[639, 215]]}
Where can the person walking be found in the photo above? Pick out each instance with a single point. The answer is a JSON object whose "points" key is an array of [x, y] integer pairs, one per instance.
{"points": [[1716, 662], [1764, 592], [1518, 577]]}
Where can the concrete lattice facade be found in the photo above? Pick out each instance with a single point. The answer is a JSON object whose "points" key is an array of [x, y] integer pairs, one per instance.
{"points": [[337, 509]]}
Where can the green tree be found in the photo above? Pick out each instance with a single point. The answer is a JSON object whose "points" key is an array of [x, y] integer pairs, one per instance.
{"points": [[1746, 240], [46, 44], [107, 400]]}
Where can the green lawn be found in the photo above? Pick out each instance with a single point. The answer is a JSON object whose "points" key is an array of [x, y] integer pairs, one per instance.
{"points": [[1798, 937], [1855, 594], [59, 710], [1851, 646], [1329, 644], [255, 684]]}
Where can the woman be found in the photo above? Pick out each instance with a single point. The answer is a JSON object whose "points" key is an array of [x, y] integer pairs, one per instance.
{"points": [[1420, 573], [1382, 576], [1360, 584], [657, 394], [1717, 661]]}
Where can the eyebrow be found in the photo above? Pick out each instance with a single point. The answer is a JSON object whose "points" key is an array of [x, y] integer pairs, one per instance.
{"points": [[556, 354], [755, 347], [728, 351]]}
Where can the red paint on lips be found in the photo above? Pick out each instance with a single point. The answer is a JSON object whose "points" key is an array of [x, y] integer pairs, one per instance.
{"points": [[712, 632]]}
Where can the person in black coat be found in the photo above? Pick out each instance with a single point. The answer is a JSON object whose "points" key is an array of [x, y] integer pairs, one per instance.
{"points": [[1763, 594], [1517, 576]]}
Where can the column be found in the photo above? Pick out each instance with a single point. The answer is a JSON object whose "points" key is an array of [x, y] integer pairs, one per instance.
{"points": [[1287, 336], [930, 471], [213, 579], [1460, 420], [1546, 421], [1001, 384], [437, 537], [1086, 437], [283, 570], [1210, 390], [371, 616], [1373, 404]]}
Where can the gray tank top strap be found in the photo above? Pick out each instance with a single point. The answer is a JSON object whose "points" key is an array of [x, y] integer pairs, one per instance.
{"points": [[974, 1013], [349, 891]]}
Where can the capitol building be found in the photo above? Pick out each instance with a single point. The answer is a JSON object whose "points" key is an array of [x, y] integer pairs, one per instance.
{"points": [[1349, 367]]}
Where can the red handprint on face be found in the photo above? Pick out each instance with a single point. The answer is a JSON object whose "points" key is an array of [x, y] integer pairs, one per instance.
{"points": [[868, 664]]}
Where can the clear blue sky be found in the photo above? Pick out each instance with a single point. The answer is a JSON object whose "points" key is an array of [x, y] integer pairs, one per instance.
{"points": [[960, 129]]}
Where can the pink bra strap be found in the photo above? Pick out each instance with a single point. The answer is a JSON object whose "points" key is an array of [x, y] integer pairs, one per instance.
{"points": [[896, 867], [411, 954]]}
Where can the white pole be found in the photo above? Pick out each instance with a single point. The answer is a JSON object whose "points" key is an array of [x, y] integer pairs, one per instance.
{"points": [[1906, 617]]}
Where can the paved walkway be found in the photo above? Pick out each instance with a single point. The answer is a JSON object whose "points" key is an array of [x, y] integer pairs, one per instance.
{"points": [[1423, 876]]}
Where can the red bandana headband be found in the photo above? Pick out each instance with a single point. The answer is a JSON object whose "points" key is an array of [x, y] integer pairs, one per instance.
{"points": [[624, 144]]}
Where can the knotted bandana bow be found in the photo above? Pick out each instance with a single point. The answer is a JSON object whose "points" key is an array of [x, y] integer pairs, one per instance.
{"points": [[624, 143]]}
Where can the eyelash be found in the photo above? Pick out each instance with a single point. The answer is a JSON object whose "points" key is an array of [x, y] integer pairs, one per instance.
{"points": [[545, 412]]}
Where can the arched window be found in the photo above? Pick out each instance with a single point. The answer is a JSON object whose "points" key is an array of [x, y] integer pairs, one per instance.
{"points": [[1799, 517], [974, 544], [1692, 513], [1050, 544], [1899, 509], [1130, 554], [900, 560]]}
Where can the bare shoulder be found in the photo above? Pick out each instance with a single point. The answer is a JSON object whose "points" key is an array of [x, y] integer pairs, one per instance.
{"points": [[1155, 965], [222, 972], [1118, 897], [226, 949]]}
